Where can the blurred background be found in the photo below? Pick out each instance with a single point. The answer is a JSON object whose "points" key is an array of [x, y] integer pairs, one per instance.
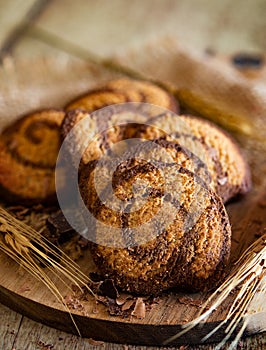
{"points": [[104, 28]]}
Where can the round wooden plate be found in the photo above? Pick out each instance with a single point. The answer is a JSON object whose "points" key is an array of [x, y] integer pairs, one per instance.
{"points": [[25, 86]]}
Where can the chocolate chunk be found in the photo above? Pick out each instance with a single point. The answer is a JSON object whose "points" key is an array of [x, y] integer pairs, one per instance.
{"points": [[139, 309], [107, 288], [58, 225], [96, 277]]}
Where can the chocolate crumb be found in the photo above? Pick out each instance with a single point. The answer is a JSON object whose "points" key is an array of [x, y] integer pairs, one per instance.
{"points": [[114, 309], [152, 302], [122, 298], [102, 299], [139, 309], [190, 301], [45, 346], [96, 277], [95, 342], [74, 303], [58, 225], [127, 305], [83, 242]]}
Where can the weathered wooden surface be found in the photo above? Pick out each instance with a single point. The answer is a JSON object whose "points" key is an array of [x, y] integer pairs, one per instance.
{"points": [[104, 28], [30, 335], [9, 326]]}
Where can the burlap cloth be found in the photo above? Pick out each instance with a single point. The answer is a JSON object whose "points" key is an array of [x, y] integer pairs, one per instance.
{"points": [[208, 83]]}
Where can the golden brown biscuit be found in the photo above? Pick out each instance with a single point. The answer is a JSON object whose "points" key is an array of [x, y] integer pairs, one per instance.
{"points": [[121, 91], [233, 173], [155, 151], [144, 91], [161, 228], [216, 148], [98, 132], [28, 153]]}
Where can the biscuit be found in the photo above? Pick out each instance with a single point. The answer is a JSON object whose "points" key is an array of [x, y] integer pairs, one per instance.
{"points": [[165, 229], [121, 91], [155, 151], [216, 148], [28, 154], [233, 173], [93, 134]]}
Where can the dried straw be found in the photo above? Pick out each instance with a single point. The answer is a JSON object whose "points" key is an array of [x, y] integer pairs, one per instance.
{"points": [[249, 275], [31, 250]]}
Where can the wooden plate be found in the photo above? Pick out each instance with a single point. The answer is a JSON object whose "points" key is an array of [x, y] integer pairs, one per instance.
{"points": [[46, 82]]}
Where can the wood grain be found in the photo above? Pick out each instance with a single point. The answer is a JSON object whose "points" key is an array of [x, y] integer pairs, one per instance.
{"points": [[30, 335], [30, 297], [9, 326]]}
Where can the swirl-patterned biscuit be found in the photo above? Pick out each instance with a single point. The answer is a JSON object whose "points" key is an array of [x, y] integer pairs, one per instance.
{"points": [[121, 91], [161, 228], [216, 148], [112, 93], [156, 151], [97, 132], [28, 153]]}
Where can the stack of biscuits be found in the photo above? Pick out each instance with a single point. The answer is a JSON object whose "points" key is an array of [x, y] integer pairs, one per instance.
{"points": [[158, 202]]}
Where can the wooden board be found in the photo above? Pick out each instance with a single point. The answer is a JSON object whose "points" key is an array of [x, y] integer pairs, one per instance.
{"points": [[51, 83]]}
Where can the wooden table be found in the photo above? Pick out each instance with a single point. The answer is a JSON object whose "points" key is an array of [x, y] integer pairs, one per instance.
{"points": [[61, 27], [20, 333]]}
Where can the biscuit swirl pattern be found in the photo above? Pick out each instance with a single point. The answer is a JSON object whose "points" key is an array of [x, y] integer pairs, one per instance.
{"points": [[29, 150], [171, 232], [122, 91]]}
